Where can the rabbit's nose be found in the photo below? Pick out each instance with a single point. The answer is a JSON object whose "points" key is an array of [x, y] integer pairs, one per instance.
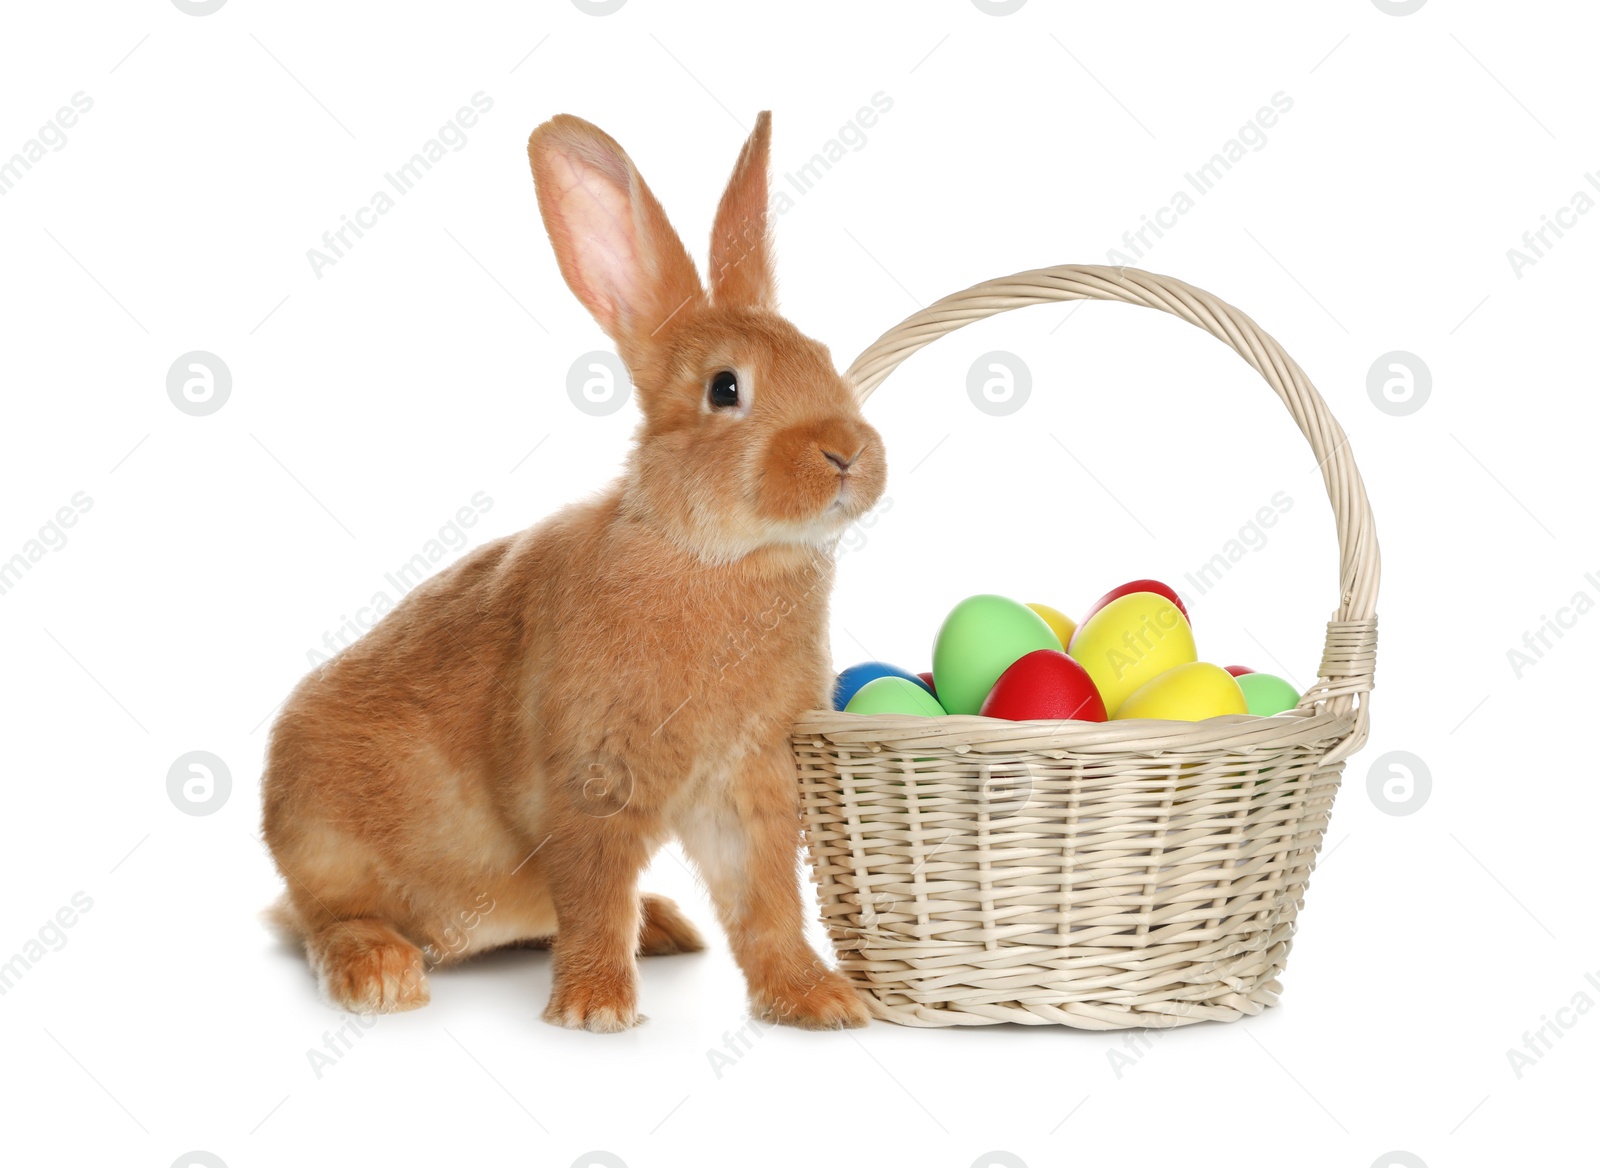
{"points": [[843, 462]]}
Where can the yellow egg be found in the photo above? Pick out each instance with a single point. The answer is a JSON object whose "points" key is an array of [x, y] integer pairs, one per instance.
{"points": [[1131, 640], [1062, 625], [1186, 693]]}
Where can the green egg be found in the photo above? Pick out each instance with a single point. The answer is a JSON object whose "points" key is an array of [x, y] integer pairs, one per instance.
{"points": [[979, 640], [894, 695], [1266, 695]]}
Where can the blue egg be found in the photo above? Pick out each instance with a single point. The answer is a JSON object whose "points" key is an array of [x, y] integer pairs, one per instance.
{"points": [[853, 678]]}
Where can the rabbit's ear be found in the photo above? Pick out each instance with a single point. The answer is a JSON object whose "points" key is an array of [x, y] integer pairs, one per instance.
{"points": [[741, 242], [617, 251]]}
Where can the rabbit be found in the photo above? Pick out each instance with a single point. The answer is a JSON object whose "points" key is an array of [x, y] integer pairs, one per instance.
{"points": [[496, 761]]}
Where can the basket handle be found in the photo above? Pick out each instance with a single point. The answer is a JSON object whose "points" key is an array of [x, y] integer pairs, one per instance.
{"points": [[1345, 675]]}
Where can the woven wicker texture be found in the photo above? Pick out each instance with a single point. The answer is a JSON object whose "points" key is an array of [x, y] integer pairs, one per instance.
{"points": [[1097, 875]]}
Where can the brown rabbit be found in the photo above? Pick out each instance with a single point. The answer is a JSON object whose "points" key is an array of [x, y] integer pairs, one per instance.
{"points": [[501, 756]]}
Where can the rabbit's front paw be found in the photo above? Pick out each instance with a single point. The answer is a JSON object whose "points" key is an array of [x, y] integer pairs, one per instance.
{"points": [[600, 1006], [818, 1002]]}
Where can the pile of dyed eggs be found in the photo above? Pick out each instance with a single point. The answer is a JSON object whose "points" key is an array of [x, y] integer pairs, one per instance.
{"points": [[1132, 656]]}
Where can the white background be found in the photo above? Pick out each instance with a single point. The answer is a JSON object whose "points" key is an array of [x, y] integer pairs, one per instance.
{"points": [[371, 403]]}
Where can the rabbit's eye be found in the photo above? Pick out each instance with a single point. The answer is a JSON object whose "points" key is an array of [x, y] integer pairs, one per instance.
{"points": [[724, 389]]}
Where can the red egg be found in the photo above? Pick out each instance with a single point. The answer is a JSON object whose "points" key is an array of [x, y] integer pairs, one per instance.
{"points": [[927, 680], [1155, 586], [1236, 670], [1045, 684]]}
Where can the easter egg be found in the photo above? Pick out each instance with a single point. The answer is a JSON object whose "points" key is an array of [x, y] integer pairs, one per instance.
{"points": [[853, 678], [1062, 625], [892, 694], [1131, 586], [1131, 640], [978, 641], [1186, 693], [1267, 695], [1045, 684], [1238, 670], [927, 680]]}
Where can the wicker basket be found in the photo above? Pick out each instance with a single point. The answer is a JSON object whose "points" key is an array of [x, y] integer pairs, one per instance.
{"points": [[1098, 875]]}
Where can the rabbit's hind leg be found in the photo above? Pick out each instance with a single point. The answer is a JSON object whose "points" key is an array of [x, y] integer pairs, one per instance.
{"points": [[664, 929], [367, 967], [351, 922]]}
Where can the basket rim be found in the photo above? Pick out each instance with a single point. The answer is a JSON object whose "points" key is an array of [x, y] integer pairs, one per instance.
{"points": [[973, 733]]}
